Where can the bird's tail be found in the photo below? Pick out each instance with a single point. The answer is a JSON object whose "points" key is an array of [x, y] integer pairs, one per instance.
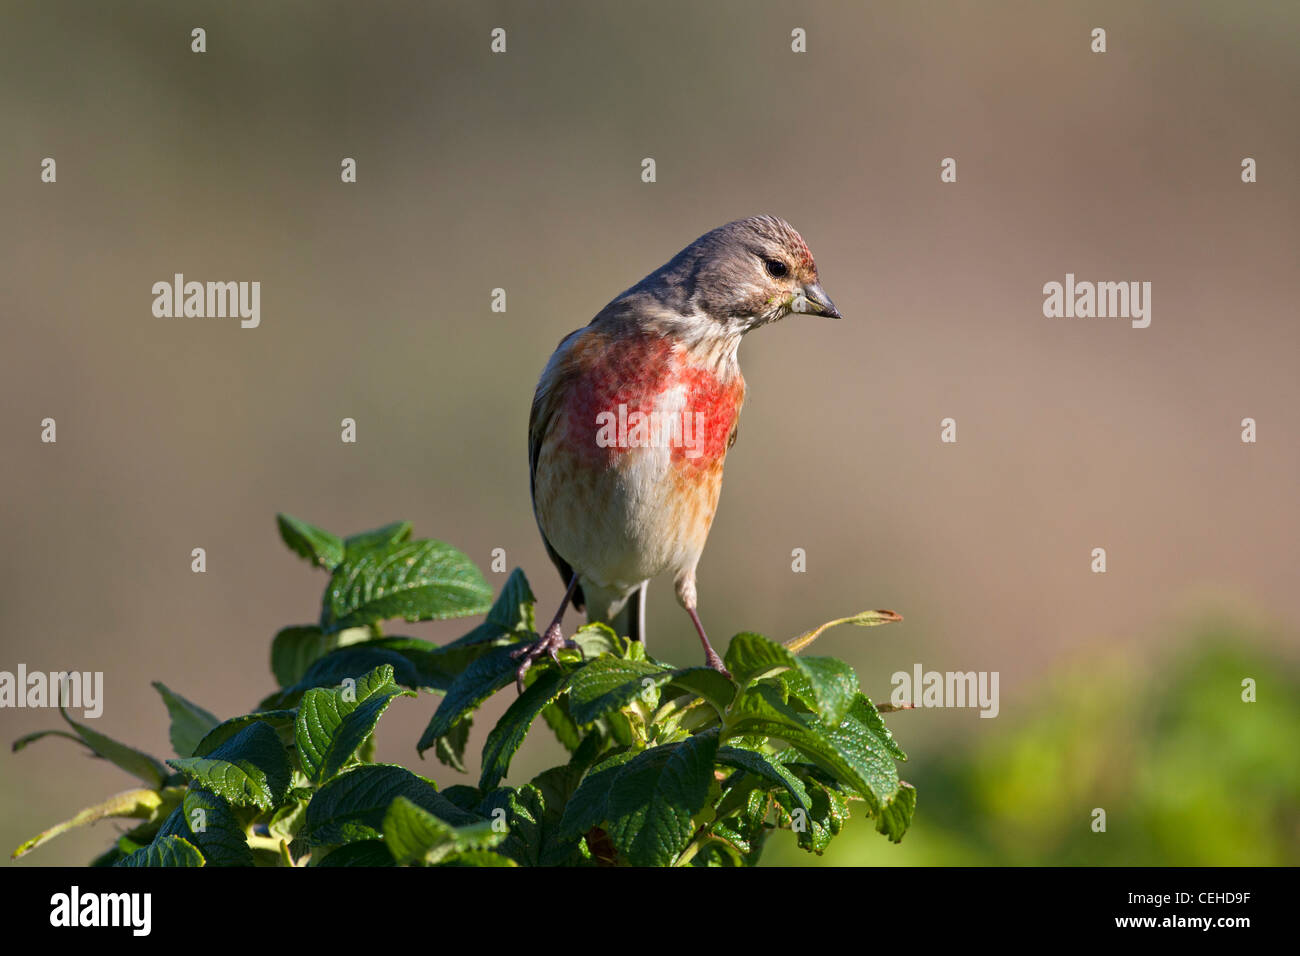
{"points": [[630, 621]]}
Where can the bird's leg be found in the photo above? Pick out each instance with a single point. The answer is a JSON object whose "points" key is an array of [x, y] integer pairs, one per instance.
{"points": [[710, 655], [549, 643]]}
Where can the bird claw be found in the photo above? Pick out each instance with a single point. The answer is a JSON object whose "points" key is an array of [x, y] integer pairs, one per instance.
{"points": [[552, 642]]}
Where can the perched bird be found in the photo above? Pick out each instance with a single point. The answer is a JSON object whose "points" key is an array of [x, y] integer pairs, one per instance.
{"points": [[634, 414]]}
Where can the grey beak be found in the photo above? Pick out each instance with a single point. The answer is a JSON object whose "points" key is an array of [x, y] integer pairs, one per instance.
{"points": [[818, 302]]}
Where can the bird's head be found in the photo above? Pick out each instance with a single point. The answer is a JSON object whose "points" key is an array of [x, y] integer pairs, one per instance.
{"points": [[752, 272], [729, 281]]}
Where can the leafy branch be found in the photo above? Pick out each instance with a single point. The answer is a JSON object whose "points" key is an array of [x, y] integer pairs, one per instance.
{"points": [[667, 765]]}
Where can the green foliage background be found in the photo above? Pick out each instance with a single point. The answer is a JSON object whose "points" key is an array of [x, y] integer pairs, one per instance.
{"points": [[1188, 774]]}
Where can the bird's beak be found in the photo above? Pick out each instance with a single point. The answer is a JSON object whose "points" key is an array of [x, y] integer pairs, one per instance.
{"points": [[815, 301]]}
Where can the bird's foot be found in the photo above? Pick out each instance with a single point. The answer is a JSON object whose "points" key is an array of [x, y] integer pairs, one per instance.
{"points": [[552, 642]]}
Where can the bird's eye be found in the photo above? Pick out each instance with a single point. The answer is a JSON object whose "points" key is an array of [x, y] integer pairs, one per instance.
{"points": [[776, 268]]}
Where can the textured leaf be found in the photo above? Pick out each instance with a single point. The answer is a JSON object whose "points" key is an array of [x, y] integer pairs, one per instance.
{"points": [[751, 657], [450, 748], [190, 722], [128, 758], [295, 649], [609, 683], [26, 739], [249, 769], [415, 835], [523, 812], [826, 685], [483, 678], [823, 819], [852, 753], [335, 667], [654, 797], [135, 804], [389, 534], [360, 853], [587, 807], [416, 580], [207, 822], [168, 851], [760, 766], [509, 621], [319, 547], [281, 721], [896, 816], [478, 858], [561, 722], [352, 805], [332, 724], [508, 735], [703, 682]]}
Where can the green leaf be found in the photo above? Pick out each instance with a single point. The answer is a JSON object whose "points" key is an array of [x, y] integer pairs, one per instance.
{"points": [[826, 686], [360, 853], [332, 723], [478, 858], [751, 657], [416, 580], [26, 739], [896, 816], [337, 666], [415, 835], [450, 748], [851, 752], [866, 712], [395, 533], [483, 678], [864, 619], [128, 758], [295, 649], [207, 822], [823, 819], [609, 683], [289, 819], [587, 807], [168, 851], [509, 621], [597, 638], [703, 682], [508, 735], [760, 766], [743, 833], [655, 796], [319, 547], [352, 805], [190, 722], [513, 608], [134, 804], [526, 822], [561, 722], [281, 721], [249, 769]]}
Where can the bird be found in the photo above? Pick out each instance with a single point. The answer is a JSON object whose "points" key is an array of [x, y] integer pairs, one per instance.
{"points": [[634, 414]]}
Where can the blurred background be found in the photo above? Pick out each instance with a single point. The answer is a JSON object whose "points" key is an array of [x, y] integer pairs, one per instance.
{"points": [[522, 171]]}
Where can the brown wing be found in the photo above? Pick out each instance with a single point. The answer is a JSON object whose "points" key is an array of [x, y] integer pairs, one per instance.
{"points": [[546, 402]]}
